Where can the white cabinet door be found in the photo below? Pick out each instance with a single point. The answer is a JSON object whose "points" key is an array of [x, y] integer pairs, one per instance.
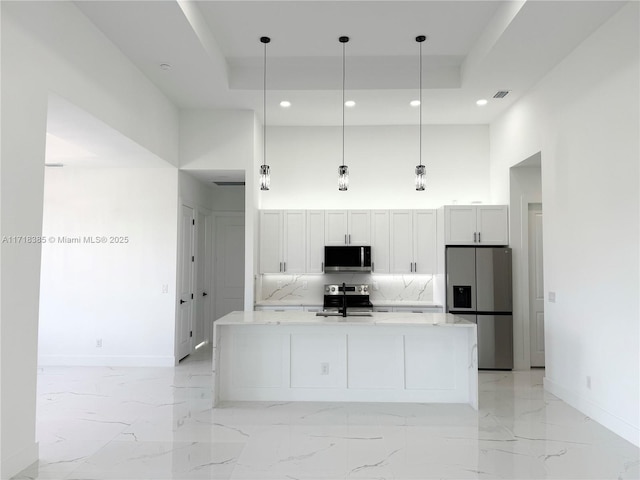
{"points": [[401, 241], [295, 241], [315, 241], [380, 241], [270, 241], [424, 241], [359, 227], [476, 225], [460, 224], [335, 227], [492, 224]]}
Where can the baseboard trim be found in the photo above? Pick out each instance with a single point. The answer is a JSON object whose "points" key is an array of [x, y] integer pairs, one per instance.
{"points": [[17, 462], [595, 412], [105, 361]]}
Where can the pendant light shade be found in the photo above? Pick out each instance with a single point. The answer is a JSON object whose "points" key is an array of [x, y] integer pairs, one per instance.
{"points": [[265, 171], [421, 179], [343, 170]]}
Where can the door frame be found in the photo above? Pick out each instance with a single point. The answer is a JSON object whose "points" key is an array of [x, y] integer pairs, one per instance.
{"points": [[525, 201], [216, 215]]}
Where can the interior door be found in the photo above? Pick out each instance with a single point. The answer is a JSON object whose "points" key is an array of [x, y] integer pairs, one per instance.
{"points": [[229, 264], [184, 344], [203, 276], [536, 286]]}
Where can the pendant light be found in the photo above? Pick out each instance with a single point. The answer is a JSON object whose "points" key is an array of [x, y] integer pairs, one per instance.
{"points": [[265, 174], [420, 169], [343, 170]]}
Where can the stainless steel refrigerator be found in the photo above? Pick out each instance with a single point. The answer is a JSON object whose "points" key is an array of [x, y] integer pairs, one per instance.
{"points": [[479, 289]]}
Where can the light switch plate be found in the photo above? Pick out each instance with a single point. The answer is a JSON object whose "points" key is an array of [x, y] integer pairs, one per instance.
{"points": [[552, 297]]}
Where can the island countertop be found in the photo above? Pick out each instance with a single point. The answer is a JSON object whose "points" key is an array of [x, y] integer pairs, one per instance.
{"points": [[375, 318]]}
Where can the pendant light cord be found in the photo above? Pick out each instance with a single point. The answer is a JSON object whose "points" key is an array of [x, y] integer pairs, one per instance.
{"points": [[420, 153], [343, 80], [264, 108]]}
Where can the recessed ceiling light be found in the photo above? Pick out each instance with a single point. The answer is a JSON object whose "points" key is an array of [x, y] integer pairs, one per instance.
{"points": [[482, 102], [166, 66], [285, 104], [414, 103], [349, 103]]}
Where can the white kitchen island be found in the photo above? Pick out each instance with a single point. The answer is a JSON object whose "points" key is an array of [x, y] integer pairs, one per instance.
{"points": [[385, 357]]}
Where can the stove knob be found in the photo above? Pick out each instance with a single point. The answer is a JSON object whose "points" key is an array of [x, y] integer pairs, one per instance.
{"points": [[333, 289], [360, 288], [326, 289], [365, 288]]}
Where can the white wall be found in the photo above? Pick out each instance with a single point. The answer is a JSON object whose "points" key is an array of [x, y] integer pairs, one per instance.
{"points": [[304, 165], [583, 117], [51, 47], [122, 293]]}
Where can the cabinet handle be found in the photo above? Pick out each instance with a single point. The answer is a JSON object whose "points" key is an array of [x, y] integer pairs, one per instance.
{"points": [[284, 267], [373, 267], [322, 266], [474, 237], [415, 267], [349, 239], [479, 237], [411, 265], [281, 267]]}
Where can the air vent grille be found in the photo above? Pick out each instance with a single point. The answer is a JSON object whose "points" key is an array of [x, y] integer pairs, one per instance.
{"points": [[229, 184], [501, 93]]}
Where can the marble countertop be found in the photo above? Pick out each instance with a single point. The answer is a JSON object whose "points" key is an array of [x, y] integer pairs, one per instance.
{"points": [[376, 303], [309, 318]]}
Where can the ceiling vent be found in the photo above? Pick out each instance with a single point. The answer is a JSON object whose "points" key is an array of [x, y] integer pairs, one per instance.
{"points": [[501, 93], [229, 184]]}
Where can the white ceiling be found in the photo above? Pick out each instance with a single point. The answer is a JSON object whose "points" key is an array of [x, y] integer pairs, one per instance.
{"points": [[473, 49]]}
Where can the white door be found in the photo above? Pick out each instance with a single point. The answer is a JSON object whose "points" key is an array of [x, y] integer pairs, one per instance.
{"points": [[315, 241], [401, 241], [380, 239], [492, 225], [229, 264], [459, 224], [359, 227], [270, 241], [203, 277], [536, 286], [424, 241], [335, 227], [295, 241], [184, 344]]}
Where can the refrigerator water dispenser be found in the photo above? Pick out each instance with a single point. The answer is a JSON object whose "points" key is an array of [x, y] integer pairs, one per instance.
{"points": [[461, 296]]}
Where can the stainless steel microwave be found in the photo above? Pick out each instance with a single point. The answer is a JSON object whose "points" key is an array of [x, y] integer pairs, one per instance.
{"points": [[347, 259]]}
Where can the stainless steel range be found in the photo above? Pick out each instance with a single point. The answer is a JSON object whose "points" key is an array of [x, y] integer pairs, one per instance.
{"points": [[347, 299]]}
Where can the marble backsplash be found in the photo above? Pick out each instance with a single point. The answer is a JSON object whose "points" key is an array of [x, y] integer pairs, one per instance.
{"points": [[310, 288]]}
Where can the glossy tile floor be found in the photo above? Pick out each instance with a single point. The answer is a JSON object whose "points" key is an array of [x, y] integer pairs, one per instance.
{"points": [[157, 423]]}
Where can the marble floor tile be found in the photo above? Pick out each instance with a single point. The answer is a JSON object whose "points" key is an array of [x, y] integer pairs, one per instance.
{"points": [[158, 423]]}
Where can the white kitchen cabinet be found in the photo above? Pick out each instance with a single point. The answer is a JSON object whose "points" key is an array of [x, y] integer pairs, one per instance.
{"points": [[282, 241], [380, 241], [347, 227], [476, 225], [315, 241], [412, 241]]}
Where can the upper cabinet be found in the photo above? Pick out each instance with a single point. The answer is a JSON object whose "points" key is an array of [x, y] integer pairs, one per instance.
{"points": [[412, 241], [315, 241], [380, 237], [282, 241], [476, 225], [347, 227]]}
